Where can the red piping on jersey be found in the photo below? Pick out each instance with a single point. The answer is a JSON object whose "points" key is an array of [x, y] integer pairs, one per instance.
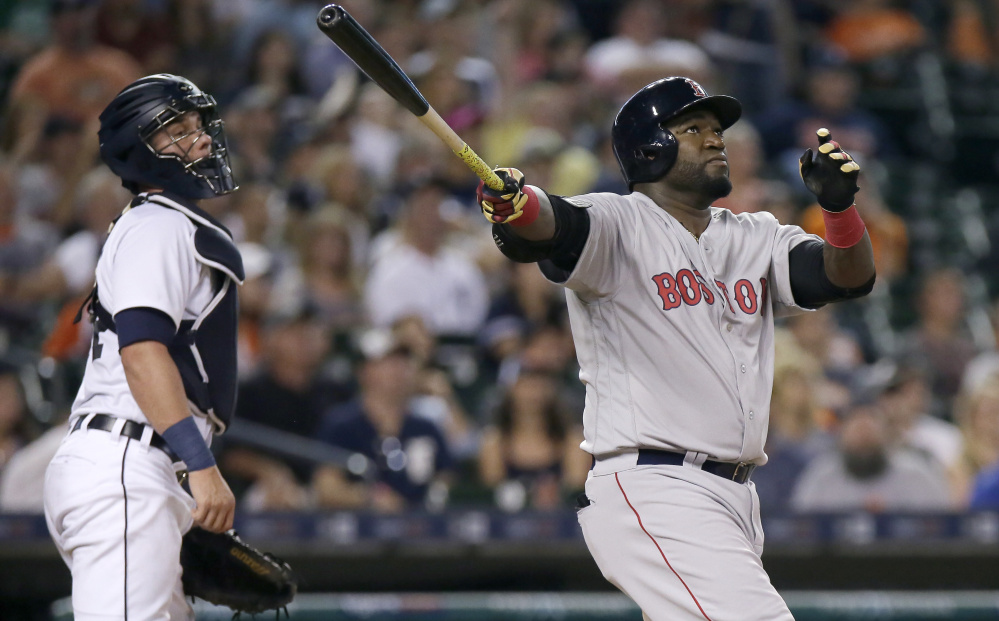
{"points": [[661, 553]]}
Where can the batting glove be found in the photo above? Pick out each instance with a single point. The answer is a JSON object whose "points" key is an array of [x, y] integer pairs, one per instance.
{"points": [[831, 174], [506, 205]]}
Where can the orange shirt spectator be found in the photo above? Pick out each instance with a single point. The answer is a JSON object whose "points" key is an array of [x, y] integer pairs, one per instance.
{"points": [[872, 30], [72, 85]]}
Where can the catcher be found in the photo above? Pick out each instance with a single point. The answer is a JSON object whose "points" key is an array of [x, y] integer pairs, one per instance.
{"points": [[160, 380]]}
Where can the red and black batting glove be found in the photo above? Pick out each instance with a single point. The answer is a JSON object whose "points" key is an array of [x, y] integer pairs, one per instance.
{"points": [[506, 205], [831, 174]]}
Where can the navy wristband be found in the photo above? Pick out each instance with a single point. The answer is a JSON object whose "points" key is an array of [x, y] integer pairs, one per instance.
{"points": [[185, 440]]}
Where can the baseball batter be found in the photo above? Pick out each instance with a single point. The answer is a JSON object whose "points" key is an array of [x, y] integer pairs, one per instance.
{"points": [[672, 305], [161, 376]]}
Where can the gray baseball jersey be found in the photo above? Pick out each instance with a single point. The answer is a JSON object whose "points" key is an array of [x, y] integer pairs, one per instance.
{"points": [[674, 336]]}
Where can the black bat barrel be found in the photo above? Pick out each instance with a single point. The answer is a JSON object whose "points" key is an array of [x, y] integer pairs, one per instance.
{"points": [[337, 24]]}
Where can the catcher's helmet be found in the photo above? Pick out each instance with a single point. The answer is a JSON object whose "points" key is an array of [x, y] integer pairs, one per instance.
{"points": [[139, 111], [644, 148]]}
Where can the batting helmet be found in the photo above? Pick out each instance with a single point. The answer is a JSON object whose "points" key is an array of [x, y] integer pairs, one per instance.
{"points": [[143, 108], [644, 148]]}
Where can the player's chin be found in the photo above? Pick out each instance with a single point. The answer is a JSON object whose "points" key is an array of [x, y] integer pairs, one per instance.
{"points": [[718, 186]]}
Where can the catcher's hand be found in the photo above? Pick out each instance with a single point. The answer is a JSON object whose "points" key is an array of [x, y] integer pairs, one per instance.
{"points": [[506, 205], [222, 569], [831, 174]]}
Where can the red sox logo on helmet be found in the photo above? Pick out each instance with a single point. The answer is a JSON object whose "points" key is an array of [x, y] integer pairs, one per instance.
{"points": [[696, 88]]}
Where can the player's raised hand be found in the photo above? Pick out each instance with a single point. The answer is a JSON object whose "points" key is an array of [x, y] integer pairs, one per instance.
{"points": [[506, 205], [216, 504], [830, 174]]}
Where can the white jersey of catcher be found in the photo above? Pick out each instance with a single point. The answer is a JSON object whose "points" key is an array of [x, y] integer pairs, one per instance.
{"points": [[147, 261], [675, 337]]}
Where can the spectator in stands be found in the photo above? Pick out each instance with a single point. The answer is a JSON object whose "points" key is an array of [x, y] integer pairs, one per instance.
{"points": [[340, 181], [830, 100], [419, 273], [22, 479], [905, 401], [289, 395], [531, 40], [254, 129], [24, 246], [412, 460], [638, 48], [985, 490], [254, 301], [977, 414], [272, 94], [16, 426], [866, 30], [795, 435], [939, 341], [969, 41], [67, 275], [144, 33], [986, 364], [325, 277], [867, 474], [377, 134], [71, 78], [69, 271], [435, 397], [250, 217], [202, 37], [530, 455], [836, 349]]}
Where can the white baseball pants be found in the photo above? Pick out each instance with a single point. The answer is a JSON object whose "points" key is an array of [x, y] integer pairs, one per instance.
{"points": [[682, 543], [117, 515]]}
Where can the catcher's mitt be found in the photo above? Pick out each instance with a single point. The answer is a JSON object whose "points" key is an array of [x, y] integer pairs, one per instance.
{"points": [[222, 569]]}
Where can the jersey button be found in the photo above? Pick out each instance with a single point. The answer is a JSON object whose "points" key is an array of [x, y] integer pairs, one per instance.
{"points": [[728, 327], [743, 368], [752, 415]]}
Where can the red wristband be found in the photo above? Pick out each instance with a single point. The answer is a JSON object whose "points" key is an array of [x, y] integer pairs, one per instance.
{"points": [[531, 209], [843, 228]]}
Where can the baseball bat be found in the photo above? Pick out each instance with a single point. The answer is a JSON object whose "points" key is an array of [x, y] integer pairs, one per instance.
{"points": [[337, 24]]}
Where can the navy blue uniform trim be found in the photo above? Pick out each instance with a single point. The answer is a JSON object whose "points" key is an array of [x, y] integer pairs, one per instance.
{"points": [[144, 324], [810, 286]]}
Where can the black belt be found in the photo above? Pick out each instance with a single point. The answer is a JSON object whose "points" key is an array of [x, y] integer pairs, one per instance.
{"points": [[131, 429], [739, 473]]}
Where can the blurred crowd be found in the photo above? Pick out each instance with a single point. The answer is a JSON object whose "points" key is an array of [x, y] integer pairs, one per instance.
{"points": [[391, 358]]}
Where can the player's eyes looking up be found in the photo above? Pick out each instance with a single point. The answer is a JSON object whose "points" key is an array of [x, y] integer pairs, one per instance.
{"points": [[182, 137]]}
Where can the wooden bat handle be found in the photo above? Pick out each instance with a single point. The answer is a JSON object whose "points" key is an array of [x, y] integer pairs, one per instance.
{"points": [[437, 125]]}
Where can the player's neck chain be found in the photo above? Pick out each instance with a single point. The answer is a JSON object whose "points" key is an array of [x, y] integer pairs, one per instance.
{"points": [[697, 238]]}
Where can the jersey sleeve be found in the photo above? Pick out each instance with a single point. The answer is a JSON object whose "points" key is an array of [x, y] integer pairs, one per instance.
{"points": [[598, 271], [786, 237], [154, 266]]}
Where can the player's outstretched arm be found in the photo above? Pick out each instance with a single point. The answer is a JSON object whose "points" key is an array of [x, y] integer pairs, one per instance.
{"points": [[155, 384], [831, 174], [525, 208]]}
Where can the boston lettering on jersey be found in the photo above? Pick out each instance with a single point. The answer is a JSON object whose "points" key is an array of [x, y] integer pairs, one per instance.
{"points": [[688, 287]]}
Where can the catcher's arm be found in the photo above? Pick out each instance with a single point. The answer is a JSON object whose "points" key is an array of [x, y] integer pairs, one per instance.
{"points": [[155, 383]]}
